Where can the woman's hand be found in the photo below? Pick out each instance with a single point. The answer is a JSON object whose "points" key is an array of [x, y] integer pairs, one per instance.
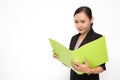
{"points": [[54, 55], [81, 67]]}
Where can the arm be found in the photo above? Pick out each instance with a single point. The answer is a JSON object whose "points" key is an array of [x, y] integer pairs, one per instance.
{"points": [[86, 69], [96, 70]]}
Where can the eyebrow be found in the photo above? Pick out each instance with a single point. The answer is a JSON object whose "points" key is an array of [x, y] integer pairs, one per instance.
{"points": [[79, 20]]}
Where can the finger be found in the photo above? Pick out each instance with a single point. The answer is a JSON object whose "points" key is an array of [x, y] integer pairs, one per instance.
{"points": [[75, 67], [76, 64], [64, 64], [85, 61], [55, 56]]}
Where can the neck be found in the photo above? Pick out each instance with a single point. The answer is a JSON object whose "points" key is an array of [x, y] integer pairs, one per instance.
{"points": [[84, 34]]}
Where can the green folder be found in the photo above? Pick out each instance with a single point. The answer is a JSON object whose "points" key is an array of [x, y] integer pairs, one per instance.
{"points": [[94, 52]]}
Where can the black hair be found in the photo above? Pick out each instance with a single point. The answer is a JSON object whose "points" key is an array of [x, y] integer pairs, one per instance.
{"points": [[84, 9]]}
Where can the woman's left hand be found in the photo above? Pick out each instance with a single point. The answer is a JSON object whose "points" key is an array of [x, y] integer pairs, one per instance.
{"points": [[81, 67]]}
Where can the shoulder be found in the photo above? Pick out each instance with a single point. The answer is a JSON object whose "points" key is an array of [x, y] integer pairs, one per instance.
{"points": [[96, 35], [91, 36]]}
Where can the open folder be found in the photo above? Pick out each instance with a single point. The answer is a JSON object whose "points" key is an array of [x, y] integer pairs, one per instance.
{"points": [[94, 52]]}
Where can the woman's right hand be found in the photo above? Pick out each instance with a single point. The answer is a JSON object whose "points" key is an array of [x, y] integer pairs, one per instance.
{"points": [[54, 55]]}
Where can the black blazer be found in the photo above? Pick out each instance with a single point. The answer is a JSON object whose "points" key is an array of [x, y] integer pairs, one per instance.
{"points": [[91, 36]]}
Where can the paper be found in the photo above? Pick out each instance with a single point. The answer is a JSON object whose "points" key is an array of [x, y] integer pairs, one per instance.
{"points": [[94, 52]]}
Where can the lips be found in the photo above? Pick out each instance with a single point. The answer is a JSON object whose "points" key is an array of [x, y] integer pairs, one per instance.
{"points": [[80, 29]]}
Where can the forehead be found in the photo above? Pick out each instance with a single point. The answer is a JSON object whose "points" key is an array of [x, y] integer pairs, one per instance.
{"points": [[81, 16]]}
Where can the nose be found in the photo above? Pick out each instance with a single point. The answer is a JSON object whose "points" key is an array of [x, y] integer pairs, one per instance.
{"points": [[79, 24]]}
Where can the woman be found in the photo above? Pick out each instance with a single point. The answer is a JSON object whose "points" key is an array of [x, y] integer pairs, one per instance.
{"points": [[83, 22]]}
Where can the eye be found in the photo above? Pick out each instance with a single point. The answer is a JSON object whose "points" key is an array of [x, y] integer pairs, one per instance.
{"points": [[76, 21], [82, 21]]}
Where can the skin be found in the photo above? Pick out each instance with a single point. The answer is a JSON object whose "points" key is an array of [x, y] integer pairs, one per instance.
{"points": [[82, 24]]}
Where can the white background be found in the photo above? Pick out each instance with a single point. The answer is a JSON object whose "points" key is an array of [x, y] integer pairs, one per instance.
{"points": [[26, 25]]}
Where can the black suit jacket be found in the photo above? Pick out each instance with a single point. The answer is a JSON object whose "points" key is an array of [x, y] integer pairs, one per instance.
{"points": [[91, 36]]}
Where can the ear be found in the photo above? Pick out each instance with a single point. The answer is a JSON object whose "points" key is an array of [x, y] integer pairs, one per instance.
{"points": [[92, 20]]}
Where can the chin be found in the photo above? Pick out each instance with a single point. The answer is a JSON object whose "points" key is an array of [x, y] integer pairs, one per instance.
{"points": [[81, 32]]}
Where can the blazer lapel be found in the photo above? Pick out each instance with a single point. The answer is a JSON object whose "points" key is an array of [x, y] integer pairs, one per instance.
{"points": [[87, 38]]}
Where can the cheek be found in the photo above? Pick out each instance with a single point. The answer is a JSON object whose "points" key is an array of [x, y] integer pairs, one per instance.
{"points": [[76, 25], [87, 25]]}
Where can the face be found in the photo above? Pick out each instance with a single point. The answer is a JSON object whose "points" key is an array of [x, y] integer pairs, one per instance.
{"points": [[82, 22]]}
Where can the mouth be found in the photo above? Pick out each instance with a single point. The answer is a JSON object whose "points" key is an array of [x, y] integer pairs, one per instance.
{"points": [[80, 29]]}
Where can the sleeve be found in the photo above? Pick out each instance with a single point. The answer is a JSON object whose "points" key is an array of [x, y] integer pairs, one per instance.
{"points": [[103, 66]]}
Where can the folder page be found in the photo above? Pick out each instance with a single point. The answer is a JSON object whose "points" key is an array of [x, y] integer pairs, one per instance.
{"points": [[63, 53]]}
